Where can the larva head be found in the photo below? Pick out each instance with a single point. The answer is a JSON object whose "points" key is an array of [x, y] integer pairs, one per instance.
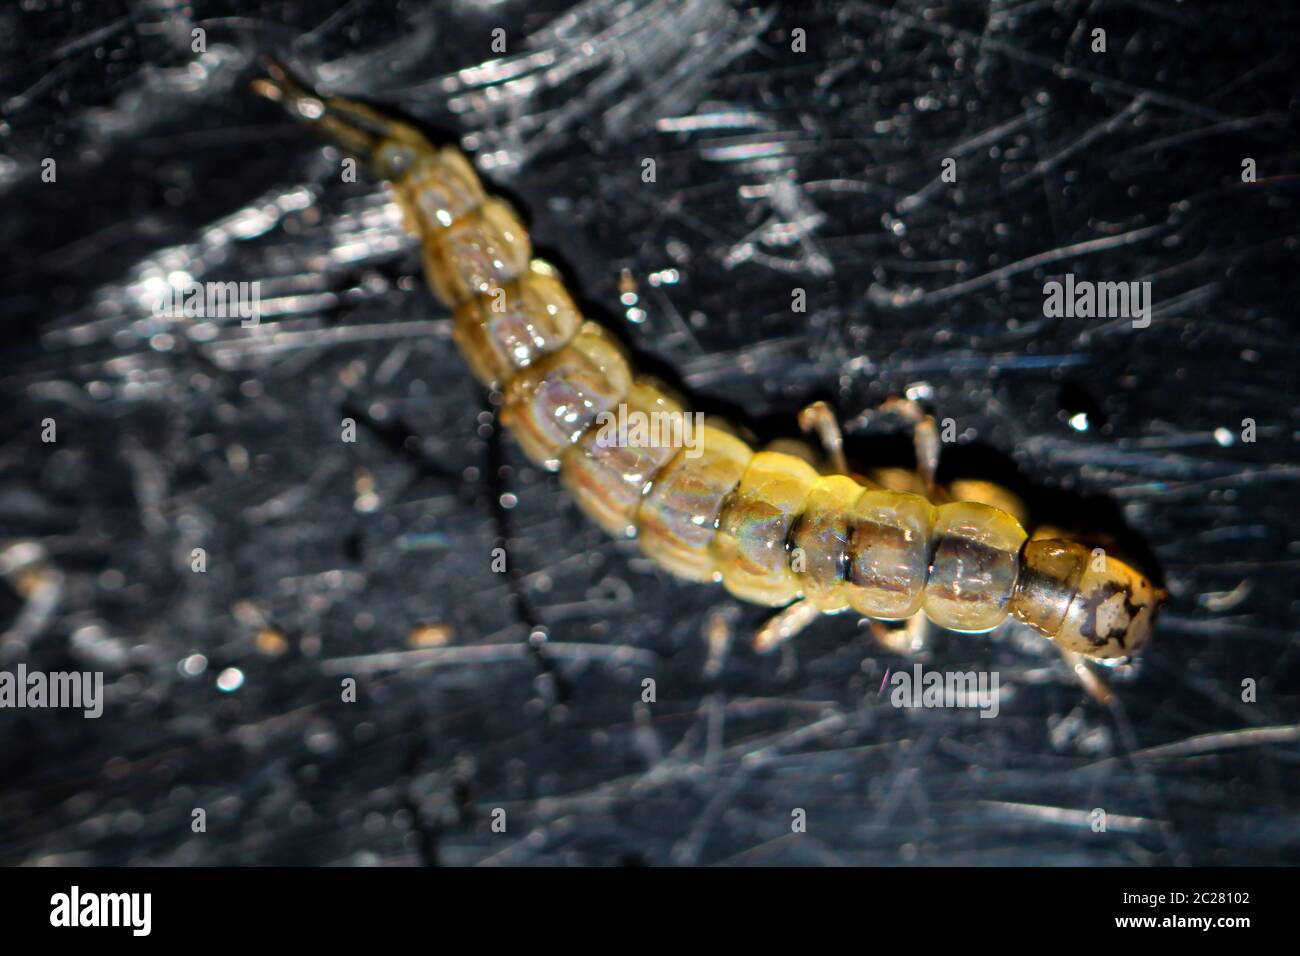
{"points": [[386, 146], [1086, 601]]}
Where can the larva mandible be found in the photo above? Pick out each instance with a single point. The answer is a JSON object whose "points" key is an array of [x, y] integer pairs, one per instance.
{"points": [[731, 514]]}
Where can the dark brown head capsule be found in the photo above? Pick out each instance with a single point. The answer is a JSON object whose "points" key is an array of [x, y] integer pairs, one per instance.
{"points": [[1086, 601]]}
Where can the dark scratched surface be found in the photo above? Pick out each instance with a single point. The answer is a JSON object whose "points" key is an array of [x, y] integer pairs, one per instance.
{"points": [[775, 170]]}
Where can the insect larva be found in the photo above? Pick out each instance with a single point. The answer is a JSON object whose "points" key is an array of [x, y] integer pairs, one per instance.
{"points": [[766, 524]]}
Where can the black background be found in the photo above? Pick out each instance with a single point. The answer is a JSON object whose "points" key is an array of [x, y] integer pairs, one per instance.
{"points": [[228, 438]]}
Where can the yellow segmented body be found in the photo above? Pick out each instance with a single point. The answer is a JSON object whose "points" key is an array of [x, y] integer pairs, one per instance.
{"points": [[764, 524]]}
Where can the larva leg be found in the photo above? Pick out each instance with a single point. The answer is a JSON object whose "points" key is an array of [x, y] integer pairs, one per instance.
{"points": [[925, 434], [905, 641], [1091, 681], [820, 419], [784, 625]]}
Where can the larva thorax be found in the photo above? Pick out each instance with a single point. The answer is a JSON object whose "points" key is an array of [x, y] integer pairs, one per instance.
{"points": [[765, 524]]}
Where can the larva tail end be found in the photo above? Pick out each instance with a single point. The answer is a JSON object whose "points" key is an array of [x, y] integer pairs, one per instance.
{"points": [[387, 146], [280, 85]]}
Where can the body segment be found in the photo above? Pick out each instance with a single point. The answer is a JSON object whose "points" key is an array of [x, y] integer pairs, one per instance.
{"points": [[608, 477], [512, 327], [551, 404], [889, 557], [678, 516], [822, 537], [976, 559], [749, 549]]}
